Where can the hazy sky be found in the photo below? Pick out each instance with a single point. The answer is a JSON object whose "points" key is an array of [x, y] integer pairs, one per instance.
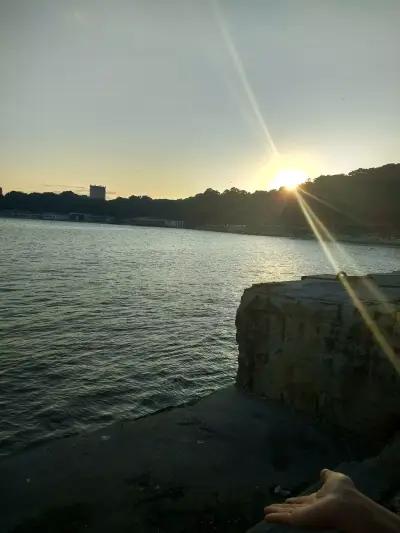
{"points": [[169, 97]]}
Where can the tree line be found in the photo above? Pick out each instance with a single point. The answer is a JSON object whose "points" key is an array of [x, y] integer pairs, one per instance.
{"points": [[364, 200]]}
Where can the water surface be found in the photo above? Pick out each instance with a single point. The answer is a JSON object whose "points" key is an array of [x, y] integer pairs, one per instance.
{"points": [[101, 323]]}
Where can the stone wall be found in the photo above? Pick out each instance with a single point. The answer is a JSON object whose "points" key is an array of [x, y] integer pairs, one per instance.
{"points": [[305, 343]]}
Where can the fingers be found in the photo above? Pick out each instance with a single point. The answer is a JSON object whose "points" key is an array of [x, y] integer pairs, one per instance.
{"points": [[279, 518], [282, 507], [290, 504], [276, 508], [297, 514]]}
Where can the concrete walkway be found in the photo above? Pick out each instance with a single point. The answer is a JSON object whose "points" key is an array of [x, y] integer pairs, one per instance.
{"points": [[205, 467]]}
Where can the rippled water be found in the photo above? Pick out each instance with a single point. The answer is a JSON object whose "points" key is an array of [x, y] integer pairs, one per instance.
{"points": [[101, 323]]}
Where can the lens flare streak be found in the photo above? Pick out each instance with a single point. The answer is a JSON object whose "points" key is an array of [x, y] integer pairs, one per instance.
{"points": [[241, 72], [323, 235], [331, 206], [320, 231]]}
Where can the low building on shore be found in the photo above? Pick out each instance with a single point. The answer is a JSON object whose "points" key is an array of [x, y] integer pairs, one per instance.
{"points": [[157, 222], [55, 216], [174, 223], [17, 213], [88, 217]]}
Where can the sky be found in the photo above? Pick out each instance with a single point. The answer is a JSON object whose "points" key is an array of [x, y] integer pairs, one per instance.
{"points": [[170, 97]]}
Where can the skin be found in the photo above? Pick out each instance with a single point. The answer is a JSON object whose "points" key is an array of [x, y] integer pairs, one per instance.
{"points": [[337, 505]]}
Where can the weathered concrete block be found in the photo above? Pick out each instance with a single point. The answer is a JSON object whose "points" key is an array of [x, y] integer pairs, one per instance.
{"points": [[305, 343]]}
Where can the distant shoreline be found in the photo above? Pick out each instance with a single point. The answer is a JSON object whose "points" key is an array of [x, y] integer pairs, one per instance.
{"points": [[365, 240], [230, 229]]}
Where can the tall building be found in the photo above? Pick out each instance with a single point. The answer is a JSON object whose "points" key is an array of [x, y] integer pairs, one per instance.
{"points": [[97, 192]]}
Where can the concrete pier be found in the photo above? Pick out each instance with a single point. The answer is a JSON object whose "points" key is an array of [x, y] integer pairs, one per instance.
{"points": [[306, 344], [312, 383]]}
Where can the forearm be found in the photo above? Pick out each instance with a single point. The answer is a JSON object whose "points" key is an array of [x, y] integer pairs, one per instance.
{"points": [[366, 516]]}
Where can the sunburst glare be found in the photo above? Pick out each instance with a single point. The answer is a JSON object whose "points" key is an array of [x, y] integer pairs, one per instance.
{"points": [[289, 178]]}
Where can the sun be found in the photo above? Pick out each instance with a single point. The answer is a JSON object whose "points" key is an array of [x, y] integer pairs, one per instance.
{"points": [[289, 178]]}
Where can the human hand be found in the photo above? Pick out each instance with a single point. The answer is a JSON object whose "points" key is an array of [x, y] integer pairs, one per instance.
{"points": [[329, 507]]}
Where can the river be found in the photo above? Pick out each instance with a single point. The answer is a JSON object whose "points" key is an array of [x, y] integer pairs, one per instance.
{"points": [[100, 323]]}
